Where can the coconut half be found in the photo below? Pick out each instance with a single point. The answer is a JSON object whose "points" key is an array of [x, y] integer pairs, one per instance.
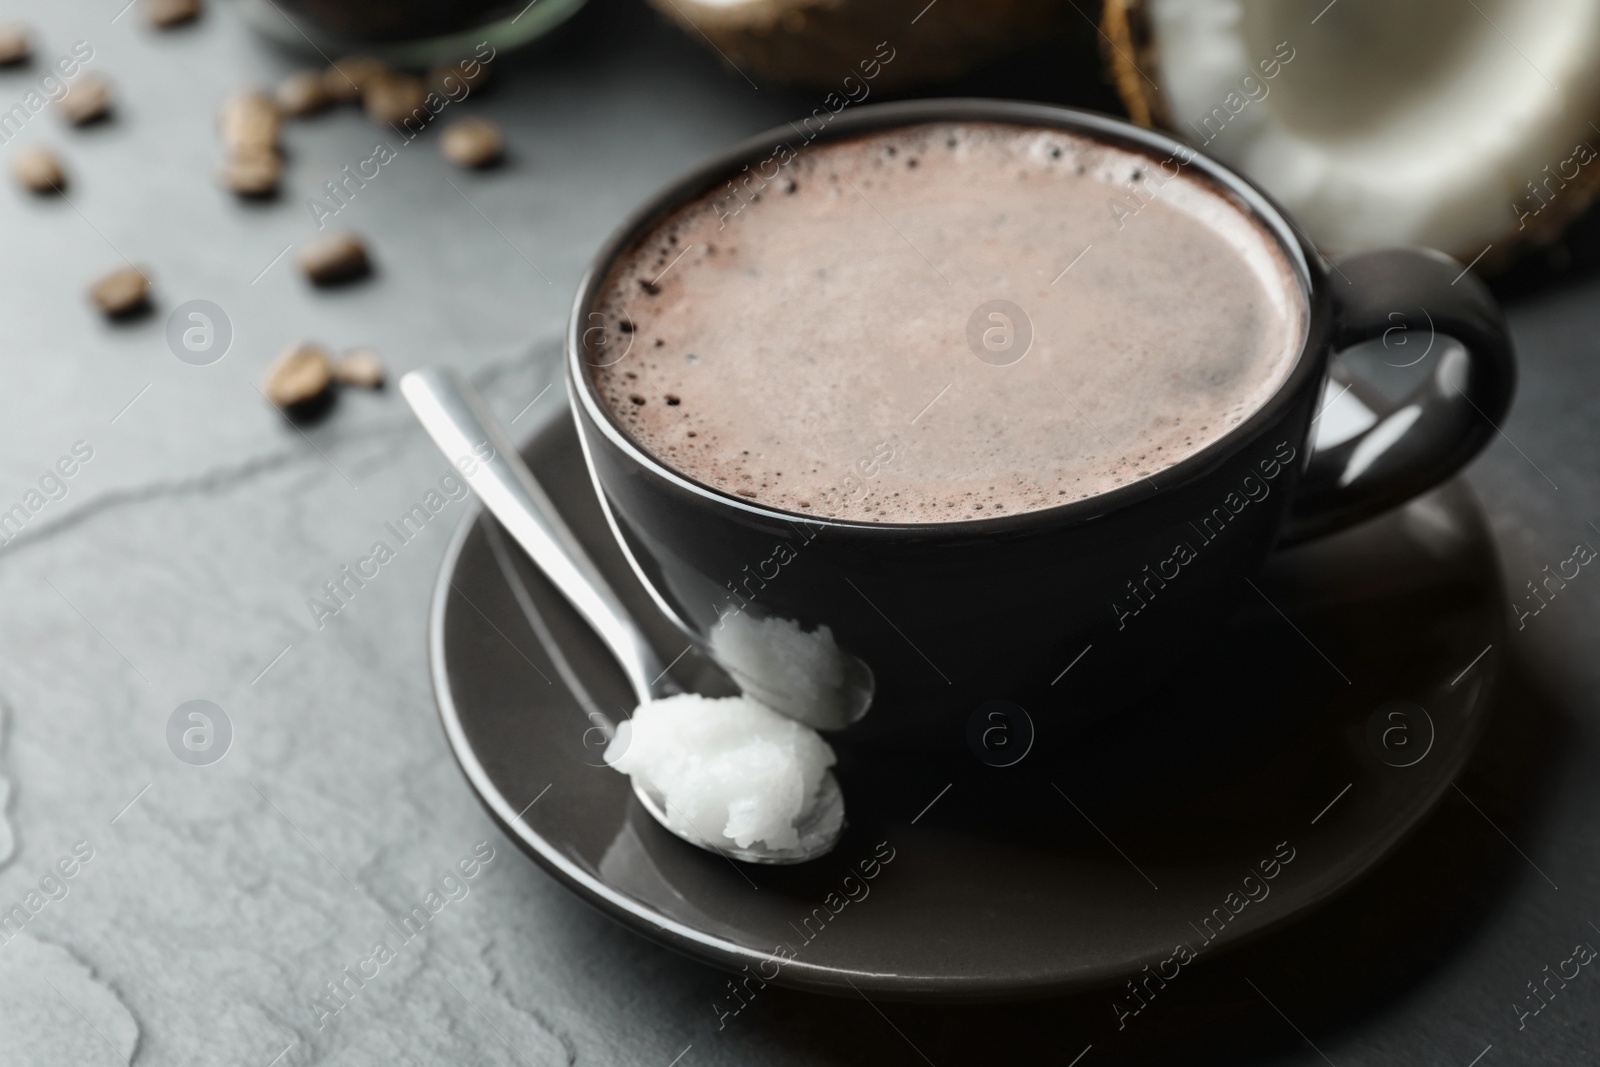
{"points": [[882, 44], [1471, 126]]}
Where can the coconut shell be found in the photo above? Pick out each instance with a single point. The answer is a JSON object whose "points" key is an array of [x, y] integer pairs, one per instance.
{"points": [[1131, 54], [818, 43], [1128, 48], [1545, 229]]}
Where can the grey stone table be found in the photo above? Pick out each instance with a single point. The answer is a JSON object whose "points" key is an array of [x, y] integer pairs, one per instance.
{"points": [[181, 914]]}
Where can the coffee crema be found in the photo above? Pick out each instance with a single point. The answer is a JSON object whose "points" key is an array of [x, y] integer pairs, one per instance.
{"points": [[845, 342]]}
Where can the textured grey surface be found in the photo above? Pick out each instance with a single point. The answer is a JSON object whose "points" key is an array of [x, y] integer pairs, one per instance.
{"points": [[219, 900]]}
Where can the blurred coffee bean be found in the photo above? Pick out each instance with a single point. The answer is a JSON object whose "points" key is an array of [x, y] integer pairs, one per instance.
{"points": [[15, 46], [303, 93], [347, 79], [253, 172], [472, 142], [393, 98], [359, 367], [40, 170], [250, 122], [87, 100], [164, 14], [300, 374], [121, 292], [338, 257]]}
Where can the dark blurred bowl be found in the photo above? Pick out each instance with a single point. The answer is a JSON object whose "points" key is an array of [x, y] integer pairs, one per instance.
{"points": [[412, 33]]}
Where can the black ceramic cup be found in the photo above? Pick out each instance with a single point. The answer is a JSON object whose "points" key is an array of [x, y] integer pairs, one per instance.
{"points": [[1069, 612]]}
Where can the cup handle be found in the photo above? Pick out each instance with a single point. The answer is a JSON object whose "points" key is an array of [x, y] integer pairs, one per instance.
{"points": [[1409, 293]]}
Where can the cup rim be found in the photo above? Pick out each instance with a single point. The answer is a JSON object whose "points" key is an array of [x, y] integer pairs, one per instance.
{"points": [[1305, 261]]}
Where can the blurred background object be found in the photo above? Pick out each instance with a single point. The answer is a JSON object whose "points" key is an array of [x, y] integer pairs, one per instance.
{"points": [[819, 43], [406, 32], [1464, 127]]}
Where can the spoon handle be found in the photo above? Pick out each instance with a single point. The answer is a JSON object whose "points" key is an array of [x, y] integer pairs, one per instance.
{"points": [[476, 445]]}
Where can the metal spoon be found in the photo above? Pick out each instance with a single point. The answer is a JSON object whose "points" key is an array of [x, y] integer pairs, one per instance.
{"points": [[476, 445]]}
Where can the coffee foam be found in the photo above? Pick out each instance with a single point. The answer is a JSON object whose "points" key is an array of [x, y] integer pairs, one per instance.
{"points": [[800, 337]]}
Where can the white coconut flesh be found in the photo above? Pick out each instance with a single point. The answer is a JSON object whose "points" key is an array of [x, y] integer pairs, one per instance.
{"points": [[1392, 122]]}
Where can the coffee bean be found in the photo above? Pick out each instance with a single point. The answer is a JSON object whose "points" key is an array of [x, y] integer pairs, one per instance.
{"points": [[253, 172], [472, 142], [14, 44], [338, 257], [303, 93], [394, 98], [249, 123], [39, 169], [359, 366], [449, 79], [121, 292], [347, 79], [300, 374], [167, 13], [87, 100]]}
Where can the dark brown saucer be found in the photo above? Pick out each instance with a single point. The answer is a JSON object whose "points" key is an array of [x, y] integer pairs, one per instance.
{"points": [[1323, 725]]}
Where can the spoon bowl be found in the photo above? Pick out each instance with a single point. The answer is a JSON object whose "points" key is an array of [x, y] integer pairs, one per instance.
{"points": [[472, 439], [820, 826]]}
